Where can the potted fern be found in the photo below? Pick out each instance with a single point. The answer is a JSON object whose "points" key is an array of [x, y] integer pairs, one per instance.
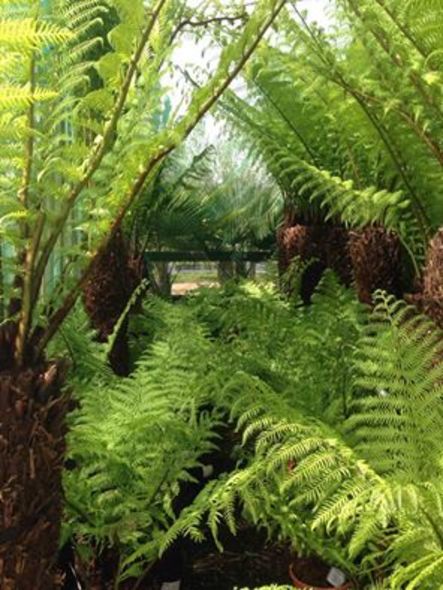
{"points": [[76, 157]]}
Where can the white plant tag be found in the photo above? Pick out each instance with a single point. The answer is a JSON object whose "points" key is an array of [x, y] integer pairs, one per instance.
{"points": [[336, 577], [171, 585], [208, 470]]}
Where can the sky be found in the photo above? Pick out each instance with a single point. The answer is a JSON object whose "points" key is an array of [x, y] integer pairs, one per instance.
{"points": [[317, 10], [189, 54]]}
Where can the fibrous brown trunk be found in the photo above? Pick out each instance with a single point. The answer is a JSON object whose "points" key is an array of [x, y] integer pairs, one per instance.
{"points": [[433, 280], [101, 571], [106, 294], [32, 446], [321, 246], [377, 262], [429, 299]]}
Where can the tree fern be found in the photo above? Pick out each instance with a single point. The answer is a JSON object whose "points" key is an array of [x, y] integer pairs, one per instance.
{"points": [[29, 34], [344, 101], [87, 357], [96, 135]]}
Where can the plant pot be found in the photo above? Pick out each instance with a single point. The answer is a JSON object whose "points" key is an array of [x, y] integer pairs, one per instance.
{"points": [[297, 579]]}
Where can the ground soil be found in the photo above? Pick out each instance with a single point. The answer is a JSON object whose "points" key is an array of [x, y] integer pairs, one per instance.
{"points": [[312, 571], [179, 289], [248, 561]]}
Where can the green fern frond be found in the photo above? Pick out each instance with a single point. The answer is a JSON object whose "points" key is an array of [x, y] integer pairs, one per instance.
{"points": [[30, 34], [20, 97], [398, 367]]}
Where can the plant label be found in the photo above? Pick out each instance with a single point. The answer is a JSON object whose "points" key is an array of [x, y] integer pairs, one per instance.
{"points": [[171, 585], [336, 577]]}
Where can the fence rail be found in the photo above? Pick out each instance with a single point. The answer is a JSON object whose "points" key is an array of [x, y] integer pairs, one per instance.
{"points": [[211, 256]]}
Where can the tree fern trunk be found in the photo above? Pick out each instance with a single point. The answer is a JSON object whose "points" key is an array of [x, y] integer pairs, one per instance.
{"points": [[32, 446], [377, 262], [322, 246], [433, 280], [429, 299], [102, 571], [283, 250], [106, 295]]}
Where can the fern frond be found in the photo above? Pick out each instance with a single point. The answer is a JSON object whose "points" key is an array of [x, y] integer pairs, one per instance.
{"points": [[31, 34], [20, 97]]}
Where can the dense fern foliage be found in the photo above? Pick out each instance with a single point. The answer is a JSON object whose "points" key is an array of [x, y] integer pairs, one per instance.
{"points": [[335, 408], [134, 441], [339, 410]]}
